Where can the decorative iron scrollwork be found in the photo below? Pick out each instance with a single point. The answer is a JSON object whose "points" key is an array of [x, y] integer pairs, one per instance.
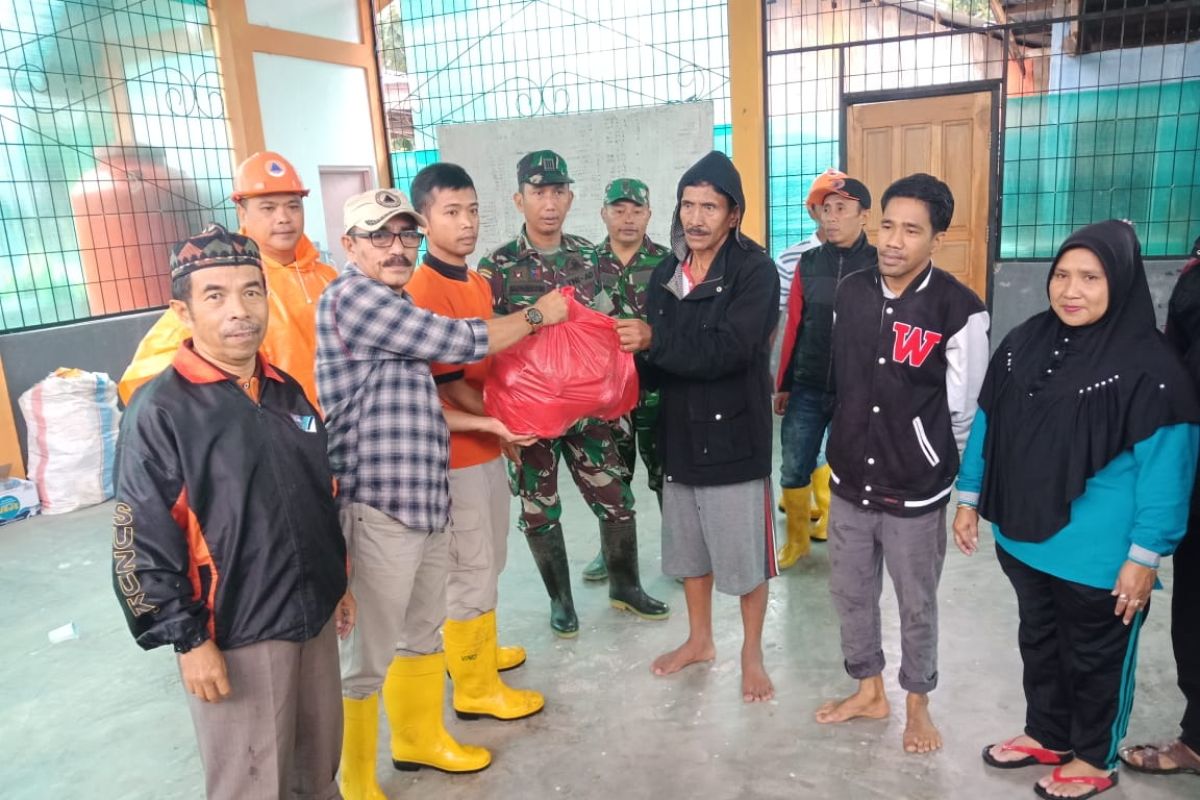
{"points": [[183, 95]]}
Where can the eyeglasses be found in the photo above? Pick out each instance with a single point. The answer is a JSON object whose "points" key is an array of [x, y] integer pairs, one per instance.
{"points": [[383, 238]]}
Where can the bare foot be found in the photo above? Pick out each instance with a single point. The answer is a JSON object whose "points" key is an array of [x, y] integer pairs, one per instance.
{"points": [[920, 734], [756, 685], [689, 652], [1074, 769], [869, 702]]}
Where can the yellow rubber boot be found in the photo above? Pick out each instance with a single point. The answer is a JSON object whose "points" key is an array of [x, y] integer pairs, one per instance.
{"points": [[820, 489], [478, 690], [413, 695], [507, 656], [796, 502], [360, 734]]}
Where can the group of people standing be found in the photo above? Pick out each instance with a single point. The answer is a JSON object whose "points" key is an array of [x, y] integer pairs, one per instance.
{"points": [[1077, 439], [352, 485], [309, 459]]}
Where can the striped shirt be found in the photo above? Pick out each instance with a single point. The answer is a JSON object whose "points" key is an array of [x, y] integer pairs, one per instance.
{"points": [[786, 265], [389, 446]]}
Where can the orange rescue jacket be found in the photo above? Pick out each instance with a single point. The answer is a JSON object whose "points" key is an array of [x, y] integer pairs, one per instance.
{"points": [[291, 340]]}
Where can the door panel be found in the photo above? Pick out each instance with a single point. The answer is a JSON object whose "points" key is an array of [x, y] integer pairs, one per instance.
{"points": [[949, 137], [339, 184]]}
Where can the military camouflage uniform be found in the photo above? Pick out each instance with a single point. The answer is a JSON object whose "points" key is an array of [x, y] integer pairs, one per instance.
{"points": [[520, 274], [630, 301]]}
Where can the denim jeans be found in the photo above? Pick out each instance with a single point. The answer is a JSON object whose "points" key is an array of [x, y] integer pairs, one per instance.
{"points": [[805, 422]]}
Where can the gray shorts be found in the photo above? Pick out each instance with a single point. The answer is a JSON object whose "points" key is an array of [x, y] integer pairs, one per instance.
{"points": [[726, 530]]}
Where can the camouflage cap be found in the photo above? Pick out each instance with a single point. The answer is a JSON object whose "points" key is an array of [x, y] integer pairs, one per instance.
{"points": [[215, 247], [627, 189], [542, 168]]}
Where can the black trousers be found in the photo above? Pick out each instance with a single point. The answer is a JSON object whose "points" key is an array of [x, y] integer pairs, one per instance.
{"points": [[1185, 630], [1079, 662]]}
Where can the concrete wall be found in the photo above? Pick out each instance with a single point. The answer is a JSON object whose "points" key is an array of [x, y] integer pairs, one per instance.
{"points": [[1019, 291], [104, 345], [1121, 67]]}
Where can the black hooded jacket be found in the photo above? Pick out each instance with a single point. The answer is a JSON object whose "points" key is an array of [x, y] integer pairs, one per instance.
{"points": [[710, 351]]}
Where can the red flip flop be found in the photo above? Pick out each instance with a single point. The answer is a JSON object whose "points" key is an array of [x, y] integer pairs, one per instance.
{"points": [[1098, 785], [1033, 756]]}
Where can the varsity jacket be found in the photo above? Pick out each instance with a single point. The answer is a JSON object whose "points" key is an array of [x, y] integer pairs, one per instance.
{"points": [[907, 372], [225, 526], [805, 357]]}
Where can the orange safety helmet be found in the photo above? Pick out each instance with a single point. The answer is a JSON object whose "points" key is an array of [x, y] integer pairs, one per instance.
{"points": [[825, 184], [266, 173]]}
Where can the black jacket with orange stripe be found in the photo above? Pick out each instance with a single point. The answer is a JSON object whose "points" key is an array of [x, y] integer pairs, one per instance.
{"points": [[225, 526]]}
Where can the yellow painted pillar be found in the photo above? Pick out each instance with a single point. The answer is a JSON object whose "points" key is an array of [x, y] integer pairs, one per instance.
{"points": [[10, 444], [749, 120], [235, 61]]}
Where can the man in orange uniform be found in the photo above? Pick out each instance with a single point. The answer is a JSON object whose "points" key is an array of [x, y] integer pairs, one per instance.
{"points": [[268, 193], [479, 495]]}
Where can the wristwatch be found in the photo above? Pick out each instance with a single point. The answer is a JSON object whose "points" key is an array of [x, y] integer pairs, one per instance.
{"points": [[534, 318]]}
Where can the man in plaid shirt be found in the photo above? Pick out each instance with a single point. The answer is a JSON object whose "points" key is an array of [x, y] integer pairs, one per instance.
{"points": [[389, 449]]}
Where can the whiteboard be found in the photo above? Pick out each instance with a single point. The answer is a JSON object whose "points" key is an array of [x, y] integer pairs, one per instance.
{"points": [[656, 145]]}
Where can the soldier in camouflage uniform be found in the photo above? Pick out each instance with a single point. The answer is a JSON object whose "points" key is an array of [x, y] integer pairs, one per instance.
{"points": [[628, 253], [540, 259]]}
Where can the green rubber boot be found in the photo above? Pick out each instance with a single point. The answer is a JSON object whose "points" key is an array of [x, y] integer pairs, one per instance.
{"points": [[618, 542], [550, 554], [596, 570]]}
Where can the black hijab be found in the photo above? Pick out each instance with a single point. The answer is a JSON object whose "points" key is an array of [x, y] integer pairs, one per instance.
{"points": [[1062, 401]]}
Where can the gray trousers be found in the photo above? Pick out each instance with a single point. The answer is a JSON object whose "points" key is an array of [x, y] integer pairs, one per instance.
{"points": [[861, 542], [279, 733], [398, 577], [478, 533]]}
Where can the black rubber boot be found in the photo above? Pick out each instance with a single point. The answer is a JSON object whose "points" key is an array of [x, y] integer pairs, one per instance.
{"points": [[596, 570], [618, 542], [550, 554]]}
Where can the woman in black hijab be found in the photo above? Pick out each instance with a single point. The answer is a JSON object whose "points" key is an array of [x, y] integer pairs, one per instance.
{"points": [[1082, 456]]}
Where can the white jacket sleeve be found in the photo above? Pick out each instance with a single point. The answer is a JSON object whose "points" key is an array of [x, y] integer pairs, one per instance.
{"points": [[966, 364]]}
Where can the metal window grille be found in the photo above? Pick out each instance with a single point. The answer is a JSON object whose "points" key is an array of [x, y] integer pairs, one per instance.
{"points": [[1099, 105], [114, 145], [501, 59]]}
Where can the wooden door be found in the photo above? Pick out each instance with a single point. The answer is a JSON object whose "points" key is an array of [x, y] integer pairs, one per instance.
{"points": [[948, 137], [339, 184]]}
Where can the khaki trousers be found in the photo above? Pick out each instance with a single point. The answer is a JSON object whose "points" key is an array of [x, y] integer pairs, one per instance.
{"points": [[479, 510], [398, 577]]}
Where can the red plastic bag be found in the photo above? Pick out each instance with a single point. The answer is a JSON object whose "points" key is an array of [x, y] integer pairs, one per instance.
{"points": [[544, 384]]}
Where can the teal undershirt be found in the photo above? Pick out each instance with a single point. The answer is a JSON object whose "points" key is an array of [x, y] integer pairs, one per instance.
{"points": [[1140, 497]]}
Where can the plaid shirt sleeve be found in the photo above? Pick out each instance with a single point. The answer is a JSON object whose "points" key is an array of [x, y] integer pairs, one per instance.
{"points": [[372, 318]]}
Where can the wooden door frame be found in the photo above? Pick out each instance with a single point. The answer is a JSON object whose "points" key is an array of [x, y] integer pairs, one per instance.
{"points": [[236, 42], [993, 87]]}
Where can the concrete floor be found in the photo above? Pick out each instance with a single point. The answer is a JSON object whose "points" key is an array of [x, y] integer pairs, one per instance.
{"points": [[100, 718]]}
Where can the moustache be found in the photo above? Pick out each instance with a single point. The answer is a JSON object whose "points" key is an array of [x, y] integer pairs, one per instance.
{"points": [[238, 330], [398, 261], [697, 231]]}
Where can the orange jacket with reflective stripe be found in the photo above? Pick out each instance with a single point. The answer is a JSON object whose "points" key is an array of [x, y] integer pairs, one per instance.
{"points": [[291, 340]]}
